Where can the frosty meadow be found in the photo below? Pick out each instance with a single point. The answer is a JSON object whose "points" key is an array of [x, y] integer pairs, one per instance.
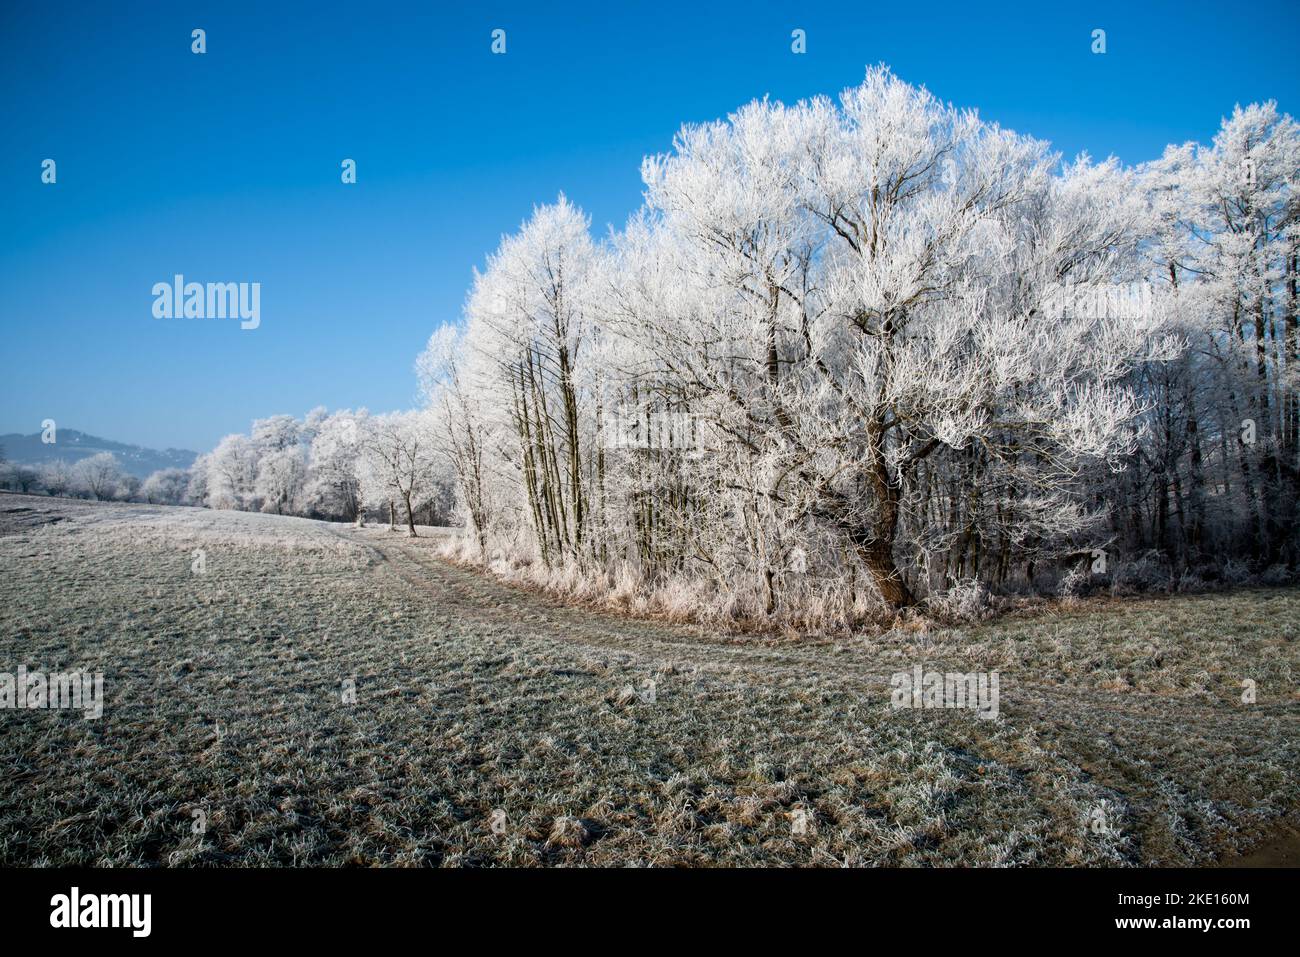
{"points": [[327, 695], [887, 489]]}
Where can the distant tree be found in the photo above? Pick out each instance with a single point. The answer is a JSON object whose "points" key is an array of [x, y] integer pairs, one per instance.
{"points": [[128, 488], [99, 475], [280, 477], [276, 433], [400, 460], [57, 477], [23, 478], [333, 487], [196, 493], [166, 487], [232, 473], [463, 431]]}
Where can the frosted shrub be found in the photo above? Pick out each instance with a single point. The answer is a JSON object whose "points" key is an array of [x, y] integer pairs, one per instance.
{"points": [[1075, 583], [1236, 572], [625, 586], [966, 600], [1150, 572]]}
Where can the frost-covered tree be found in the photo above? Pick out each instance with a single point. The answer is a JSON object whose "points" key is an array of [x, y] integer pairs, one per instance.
{"points": [[166, 487], [232, 473], [891, 265], [400, 460], [281, 474], [23, 478], [280, 447], [276, 433], [862, 322], [57, 477], [1216, 471], [196, 492], [128, 488], [333, 487], [531, 328], [99, 474]]}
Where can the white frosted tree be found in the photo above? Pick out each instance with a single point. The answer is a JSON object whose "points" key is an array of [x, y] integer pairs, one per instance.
{"points": [[196, 491], [166, 487], [57, 477], [530, 326], [281, 474], [400, 460], [454, 383], [232, 473], [99, 474], [333, 487], [877, 283]]}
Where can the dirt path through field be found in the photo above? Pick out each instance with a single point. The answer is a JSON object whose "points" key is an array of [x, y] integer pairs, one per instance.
{"points": [[1111, 735], [476, 596]]}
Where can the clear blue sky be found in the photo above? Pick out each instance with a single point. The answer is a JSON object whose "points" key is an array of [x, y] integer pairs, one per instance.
{"points": [[225, 166]]}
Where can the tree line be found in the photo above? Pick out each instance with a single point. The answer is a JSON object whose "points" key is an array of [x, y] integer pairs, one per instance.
{"points": [[334, 466], [850, 356], [864, 353]]}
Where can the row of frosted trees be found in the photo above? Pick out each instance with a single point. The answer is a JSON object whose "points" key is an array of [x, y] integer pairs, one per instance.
{"points": [[857, 354], [332, 466]]}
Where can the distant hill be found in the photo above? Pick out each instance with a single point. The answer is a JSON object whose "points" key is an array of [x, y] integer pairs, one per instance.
{"points": [[73, 446]]}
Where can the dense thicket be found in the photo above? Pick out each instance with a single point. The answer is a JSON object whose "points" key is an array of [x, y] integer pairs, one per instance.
{"points": [[865, 352]]}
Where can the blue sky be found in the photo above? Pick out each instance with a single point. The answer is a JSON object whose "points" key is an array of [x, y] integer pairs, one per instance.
{"points": [[225, 166]]}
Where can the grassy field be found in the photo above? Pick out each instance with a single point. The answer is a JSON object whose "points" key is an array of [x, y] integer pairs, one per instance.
{"points": [[492, 726]]}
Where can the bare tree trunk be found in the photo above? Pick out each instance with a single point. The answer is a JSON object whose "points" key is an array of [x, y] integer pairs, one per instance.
{"points": [[410, 517], [876, 545]]}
